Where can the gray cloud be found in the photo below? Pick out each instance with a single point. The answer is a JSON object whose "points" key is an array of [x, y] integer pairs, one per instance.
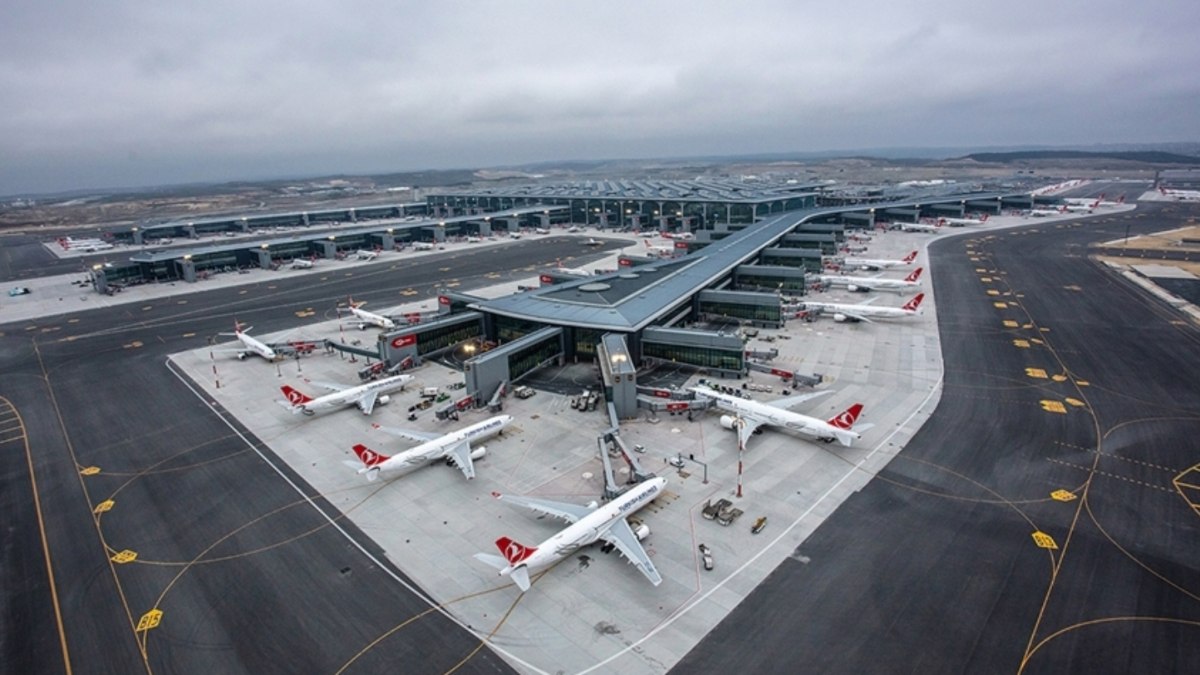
{"points": [[134, 93]]}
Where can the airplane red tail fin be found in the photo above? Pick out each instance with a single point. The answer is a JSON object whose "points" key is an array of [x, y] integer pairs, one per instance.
{"points": [[910, 257], [1121, 199], [912, 305], [514, 552], [916, 274], [368, 456], [847, 417], [985, 217], [295, 396]]}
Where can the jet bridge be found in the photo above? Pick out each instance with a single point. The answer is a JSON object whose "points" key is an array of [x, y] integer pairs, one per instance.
{"points": [[509, 362], [637, 474]]}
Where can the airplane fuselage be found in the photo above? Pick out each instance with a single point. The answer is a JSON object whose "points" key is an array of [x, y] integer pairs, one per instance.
{"points": [[591, 527], [350, 396], [372, 319], [439, 448]]}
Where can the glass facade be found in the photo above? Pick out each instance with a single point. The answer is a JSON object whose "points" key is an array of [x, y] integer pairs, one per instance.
{"points": [[738, 310], [585, 341], [509, 329], [525, 360], [755, 281], [701, 357], [446, 336]]}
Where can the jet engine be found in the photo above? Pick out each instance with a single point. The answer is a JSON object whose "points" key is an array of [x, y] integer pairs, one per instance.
{"points": [[478, 451], [641, 531], [383, 400], [729, 421], [855, 288], [842, 318]]}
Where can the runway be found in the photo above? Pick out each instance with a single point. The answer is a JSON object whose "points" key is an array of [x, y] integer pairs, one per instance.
{"points": [[957, 558], [150, 501]]}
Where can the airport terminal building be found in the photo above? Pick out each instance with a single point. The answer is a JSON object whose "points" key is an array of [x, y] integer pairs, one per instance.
{"points": [[736, 253]]}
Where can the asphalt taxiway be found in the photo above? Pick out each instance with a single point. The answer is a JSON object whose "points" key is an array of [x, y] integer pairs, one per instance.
{"points": [[109, 466], [1044, 519]]}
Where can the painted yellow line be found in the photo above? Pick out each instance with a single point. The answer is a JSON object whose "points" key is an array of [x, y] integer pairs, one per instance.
{"points": [[1044, 540], [1021, 344], [1063, 496], [1054, 407], [1036, 372], [37, 508], [1009, 323], [1000, 305]]}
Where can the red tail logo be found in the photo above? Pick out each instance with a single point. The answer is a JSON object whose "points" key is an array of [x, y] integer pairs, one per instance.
{"points": [[984, 218], [916, 274], [846, 419], [368, 456], [293, 396], [912, 305], [910, 257], [514, 552]]}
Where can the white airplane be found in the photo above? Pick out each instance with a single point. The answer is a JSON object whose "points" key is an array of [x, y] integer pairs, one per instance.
{"points": [[365, 396], [1041, 213], [364, 254], [874, 265], [422, 246], [843, 313], [302, 264], [474, 239], [875, 283], [366, 318], [250, 344], [959, 222], [681, 235], [920, 227], [541, 230], [660, 251], [1081, 208], [593, 242], [572, 271], [1181, 195], [747, 416], [454, 447], [588, 524], [86, 245]]}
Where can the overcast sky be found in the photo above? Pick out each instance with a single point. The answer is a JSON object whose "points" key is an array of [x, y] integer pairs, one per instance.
{"points": [[128, 93]]}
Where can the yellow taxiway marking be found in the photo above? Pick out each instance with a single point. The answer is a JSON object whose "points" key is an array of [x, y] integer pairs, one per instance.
{"points": [[147, 308], [1036, 341], [1073, 287], [981, 270], [409, 292], [992, 291], [1082, 383], [443, 269], [305, 313], [103, 506], [1075, 402], [1059, 377], [133, 345], [1036, 372], [1044, 540], [271, 287], [187, 335], [90, 470], [1000, 305], [1053, 406], [243, 292], [986, 280], [31, 328], [1044, 329], [181, 302], [149, 620], [1009, 323], [68, 321], [125, 556], [1021, 344], [974, 259], [1063, 496], [453, 284]]}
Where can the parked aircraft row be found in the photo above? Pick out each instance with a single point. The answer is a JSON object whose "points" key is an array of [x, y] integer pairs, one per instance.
{"points": [[1181, 195], [865, 312], [746, 416], [872, 265], [85, 245], [875, 283]]}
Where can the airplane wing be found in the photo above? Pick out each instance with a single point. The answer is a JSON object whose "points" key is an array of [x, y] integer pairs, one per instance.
{"points": [[366, 402], [790, 401], [622, 537], [408, 434], [856, 317], [328, 385], [461, 454], [746, 429], [562, 510]]}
